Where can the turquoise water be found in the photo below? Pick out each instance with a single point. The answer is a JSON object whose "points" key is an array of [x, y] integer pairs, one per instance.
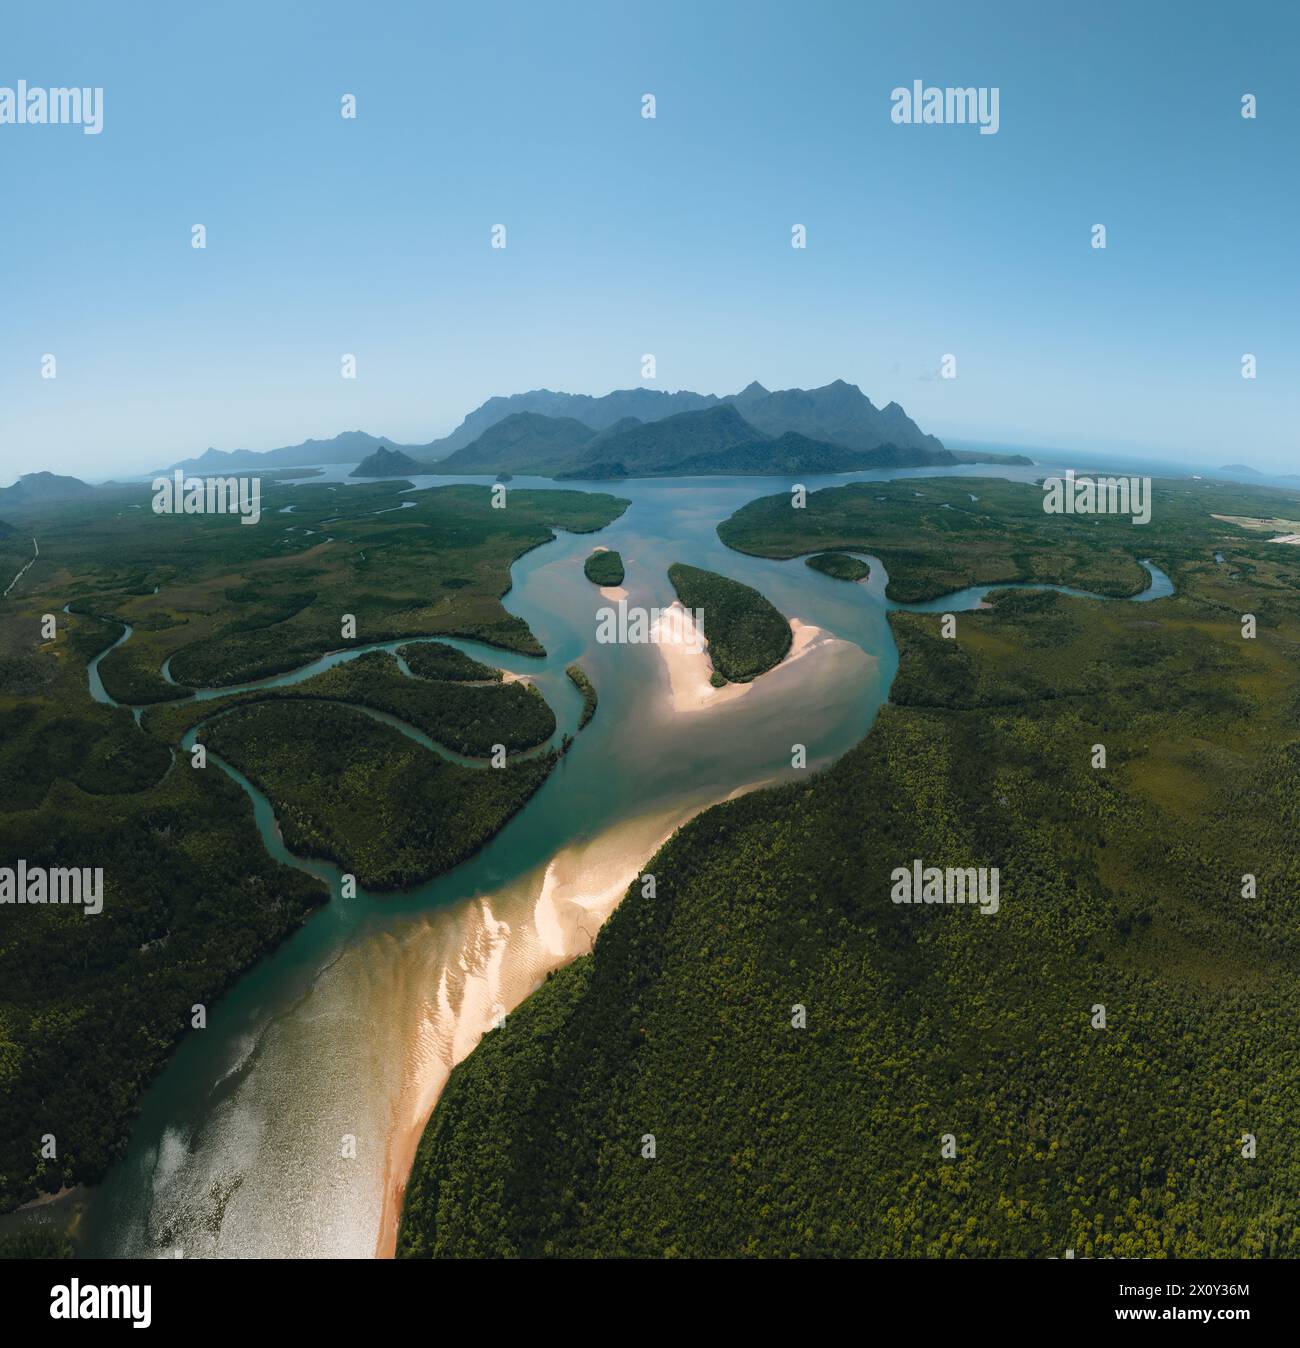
{"points": [[348, 1029]]}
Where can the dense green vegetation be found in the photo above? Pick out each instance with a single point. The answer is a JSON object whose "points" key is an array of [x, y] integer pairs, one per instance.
{"points": [[90, 1007], [238, 603], [1120, 887], [746, 635], [36, 1243], [604, 568], [932, 538], [588, 691], [354, 791], [839, 565], [436, 660], [469, 718]]}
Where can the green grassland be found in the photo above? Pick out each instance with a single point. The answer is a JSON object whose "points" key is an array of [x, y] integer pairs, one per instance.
{"points": [[90, 1007], [746, 634], [1120, 887], [838, 565], [604, 568]]}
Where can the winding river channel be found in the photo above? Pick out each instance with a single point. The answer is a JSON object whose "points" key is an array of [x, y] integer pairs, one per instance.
{"points": [[352, 1026]]}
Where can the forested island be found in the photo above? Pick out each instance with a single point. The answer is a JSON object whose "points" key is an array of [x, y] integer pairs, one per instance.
{"points": [[825, 1072], [839, 565], [585, 686], [746, 634], [604, 568]]}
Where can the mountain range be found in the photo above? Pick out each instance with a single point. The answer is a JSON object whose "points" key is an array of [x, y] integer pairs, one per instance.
{"points": [[640, 432], [835, 429], [544, 431], [347, 447], [632, 432], [34, 489]]}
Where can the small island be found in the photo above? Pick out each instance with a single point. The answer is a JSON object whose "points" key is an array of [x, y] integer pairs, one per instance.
{"points": [[588, 691], [604, 568], [838, 565], [746, 635]]}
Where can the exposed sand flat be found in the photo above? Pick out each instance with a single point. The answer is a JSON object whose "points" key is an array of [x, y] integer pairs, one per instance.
{"points": [[483, 958], [1252, 522], [689, 668], [1286, 538]]}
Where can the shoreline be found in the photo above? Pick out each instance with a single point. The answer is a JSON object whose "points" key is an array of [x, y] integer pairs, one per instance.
{"points": [[689, 668], [554, 915], [555, 912]]}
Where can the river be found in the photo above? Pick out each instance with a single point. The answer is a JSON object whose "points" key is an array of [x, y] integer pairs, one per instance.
{"points": [[349, 1030]]}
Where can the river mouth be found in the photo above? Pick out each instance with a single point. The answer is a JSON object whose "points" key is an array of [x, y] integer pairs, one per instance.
{"points": [[286, 1128]]}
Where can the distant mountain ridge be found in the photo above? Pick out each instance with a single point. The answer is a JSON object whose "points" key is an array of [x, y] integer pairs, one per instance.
{"points": [[838, 412], [347, 447], [599, 413], [550, 433], [38, 488]]}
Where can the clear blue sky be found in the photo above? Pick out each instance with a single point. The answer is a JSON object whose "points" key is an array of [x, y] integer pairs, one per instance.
{"points": [[628, 236]]}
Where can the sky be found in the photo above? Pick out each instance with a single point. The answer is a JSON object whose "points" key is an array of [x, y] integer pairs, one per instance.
{"points": [[628, 236]]}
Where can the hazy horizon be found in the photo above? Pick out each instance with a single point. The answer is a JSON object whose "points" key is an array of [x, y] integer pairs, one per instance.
{"points": [[1174, 456], [627, 235], [1043, 445]]}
